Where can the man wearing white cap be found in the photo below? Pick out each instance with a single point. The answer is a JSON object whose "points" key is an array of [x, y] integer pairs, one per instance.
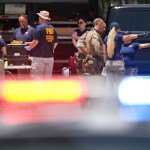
{"points": [[44, 43]]}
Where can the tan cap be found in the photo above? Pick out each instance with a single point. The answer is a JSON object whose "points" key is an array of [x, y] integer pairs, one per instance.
{"points": [[44, 14]]}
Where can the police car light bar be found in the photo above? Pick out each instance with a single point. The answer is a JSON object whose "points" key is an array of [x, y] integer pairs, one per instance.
{"points": [[135, 91], [59, 90]]}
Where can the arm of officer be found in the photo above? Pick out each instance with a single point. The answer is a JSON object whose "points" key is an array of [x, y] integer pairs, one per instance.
{"points": [[4, 51], [97, 44], [33, 44], [144, 45], [81, 45], [55, 45], [74, 36], [129, 37], [74, 39], [84, 50]]}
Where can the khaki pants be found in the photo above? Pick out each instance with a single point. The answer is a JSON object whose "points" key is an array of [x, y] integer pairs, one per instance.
{"points": [[42, 67], [115, 71], [2, 71]]}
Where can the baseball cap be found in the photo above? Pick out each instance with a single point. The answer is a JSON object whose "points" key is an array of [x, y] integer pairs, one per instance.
{"points": [[44, 14], [114, 24]]}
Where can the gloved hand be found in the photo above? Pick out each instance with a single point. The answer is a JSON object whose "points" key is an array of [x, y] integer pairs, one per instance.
{"points": [[27, 48], [145, 34]]}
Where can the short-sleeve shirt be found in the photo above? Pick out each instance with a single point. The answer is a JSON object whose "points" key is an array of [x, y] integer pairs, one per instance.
{"points": [[23, 34], [128, 52], [118, 43], [47, 36], [2, 44]]}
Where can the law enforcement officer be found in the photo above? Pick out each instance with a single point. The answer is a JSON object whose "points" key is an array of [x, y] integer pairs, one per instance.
{"points": [[44, 43], [91, 45], [128, 51], [77, 33], [114, 65], [23, 34]]}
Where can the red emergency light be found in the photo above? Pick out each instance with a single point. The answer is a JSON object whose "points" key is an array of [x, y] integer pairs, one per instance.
{"points": [[5, 16]]}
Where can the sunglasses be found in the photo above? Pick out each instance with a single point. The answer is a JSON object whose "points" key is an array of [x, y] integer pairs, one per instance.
{"points": [[80, 22]]}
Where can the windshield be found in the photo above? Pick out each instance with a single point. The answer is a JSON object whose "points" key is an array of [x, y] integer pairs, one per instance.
{"points": [[134, 20]]}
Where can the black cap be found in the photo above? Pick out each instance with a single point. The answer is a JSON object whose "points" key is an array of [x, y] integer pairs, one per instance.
{"points": [[114, 24]]}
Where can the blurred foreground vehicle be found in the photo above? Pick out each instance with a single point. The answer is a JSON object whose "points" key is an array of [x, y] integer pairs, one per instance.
{"points": [[71, 113]]}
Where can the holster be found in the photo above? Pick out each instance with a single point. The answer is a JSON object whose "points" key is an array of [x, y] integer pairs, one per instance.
{"points": [[89, 64], [93, 64], [79, 60]]}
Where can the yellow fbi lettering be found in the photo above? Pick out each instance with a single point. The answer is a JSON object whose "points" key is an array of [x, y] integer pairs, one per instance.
{"points": [[49, 31], [49, 38], [49, 34]]}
